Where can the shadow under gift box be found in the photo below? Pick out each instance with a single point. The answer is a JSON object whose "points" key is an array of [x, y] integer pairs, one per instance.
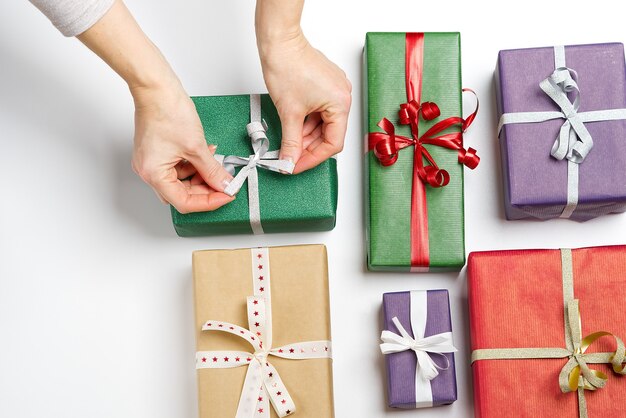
{"points": [[300, 312], [304, 202], [516, 300], [535, 183]]}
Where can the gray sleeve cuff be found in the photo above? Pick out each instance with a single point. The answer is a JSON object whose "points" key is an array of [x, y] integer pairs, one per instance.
{"points": [[73, 17]]}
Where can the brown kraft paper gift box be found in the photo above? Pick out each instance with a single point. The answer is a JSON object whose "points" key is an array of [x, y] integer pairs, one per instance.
{"points": [[300, 312]]}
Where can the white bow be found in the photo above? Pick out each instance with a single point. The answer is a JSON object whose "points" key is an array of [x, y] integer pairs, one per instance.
{"points": [[423, 348], [574, 141], [262, 158]]}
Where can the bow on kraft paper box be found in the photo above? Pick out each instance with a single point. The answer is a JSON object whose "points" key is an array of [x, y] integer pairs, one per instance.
{"points": [[247, 132], [546, 329], [263, 332], [418, 348], [414, 151], [562, 130]]}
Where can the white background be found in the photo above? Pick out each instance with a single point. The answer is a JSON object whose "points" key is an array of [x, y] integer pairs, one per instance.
{"points": [[95, 287]]}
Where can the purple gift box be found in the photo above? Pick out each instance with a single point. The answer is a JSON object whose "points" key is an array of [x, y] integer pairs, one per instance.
{"points": [[536, 184], [426, 313]]}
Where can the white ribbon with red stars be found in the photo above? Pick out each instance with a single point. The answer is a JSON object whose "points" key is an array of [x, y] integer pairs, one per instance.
{"points": [[262, 384]]}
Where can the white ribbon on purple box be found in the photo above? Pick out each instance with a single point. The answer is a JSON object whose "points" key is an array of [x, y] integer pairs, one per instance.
{"points": [[574, 141], [424, 347]]}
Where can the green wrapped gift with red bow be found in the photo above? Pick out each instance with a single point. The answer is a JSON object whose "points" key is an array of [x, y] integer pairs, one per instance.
{"points": [[415, 153]]}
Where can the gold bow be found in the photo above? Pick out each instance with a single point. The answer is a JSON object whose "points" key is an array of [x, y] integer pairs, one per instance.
{"points": [[576, 375]]}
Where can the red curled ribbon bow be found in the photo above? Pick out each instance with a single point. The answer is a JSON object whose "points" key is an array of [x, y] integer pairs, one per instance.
{"points": [[387, 144]]}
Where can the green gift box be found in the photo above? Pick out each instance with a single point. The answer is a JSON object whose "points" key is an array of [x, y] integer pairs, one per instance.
{"points": [[284, 203], [414, 151]]}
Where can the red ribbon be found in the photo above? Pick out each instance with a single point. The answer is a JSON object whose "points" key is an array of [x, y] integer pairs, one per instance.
{"points": [[387, 145]]}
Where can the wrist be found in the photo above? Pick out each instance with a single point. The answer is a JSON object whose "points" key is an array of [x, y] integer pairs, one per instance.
{"points": [[120, 42], [153, 77], [149, 70], [154, 94], [280, 42], [272, 32], [277, 25]]}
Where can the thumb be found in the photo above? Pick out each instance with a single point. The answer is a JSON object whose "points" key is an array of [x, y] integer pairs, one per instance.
{"points": [[208, 167], [291, 143]]}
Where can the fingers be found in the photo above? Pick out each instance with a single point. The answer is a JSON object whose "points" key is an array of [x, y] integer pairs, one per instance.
{"points": [[207, 166], [197, 188], [312, 158], [185, 169], [291, 144], [314, 144], [333, 134], [311, 138], [194, 195], [311, 148], [191, 189], [311, 123], [198, 199]]}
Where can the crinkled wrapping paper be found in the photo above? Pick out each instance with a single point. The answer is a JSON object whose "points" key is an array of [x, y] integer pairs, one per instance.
{"points": [[289, 203], [401, 366], [516, 301], [535, 183], [300, 312], [388, 189]]}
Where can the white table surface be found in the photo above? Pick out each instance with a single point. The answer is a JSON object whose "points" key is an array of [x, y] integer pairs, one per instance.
{"points": [[95, 286]]}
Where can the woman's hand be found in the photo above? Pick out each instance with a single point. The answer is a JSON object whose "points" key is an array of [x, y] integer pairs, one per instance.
{"points": [[169, 139], [170, 147], [312, 95]]}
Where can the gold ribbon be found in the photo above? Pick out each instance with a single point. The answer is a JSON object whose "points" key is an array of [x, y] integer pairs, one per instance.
{"points": [[576, 375]]}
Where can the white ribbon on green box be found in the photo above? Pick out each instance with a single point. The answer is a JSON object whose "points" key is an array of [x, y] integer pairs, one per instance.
{"points": [[262, 158]]}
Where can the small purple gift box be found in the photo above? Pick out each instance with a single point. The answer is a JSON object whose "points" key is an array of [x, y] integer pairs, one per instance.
{"points": [[562, 131], [417, 343]]}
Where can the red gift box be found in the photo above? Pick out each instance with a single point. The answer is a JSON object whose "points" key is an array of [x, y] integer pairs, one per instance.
{"points": [[519, 300]]}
